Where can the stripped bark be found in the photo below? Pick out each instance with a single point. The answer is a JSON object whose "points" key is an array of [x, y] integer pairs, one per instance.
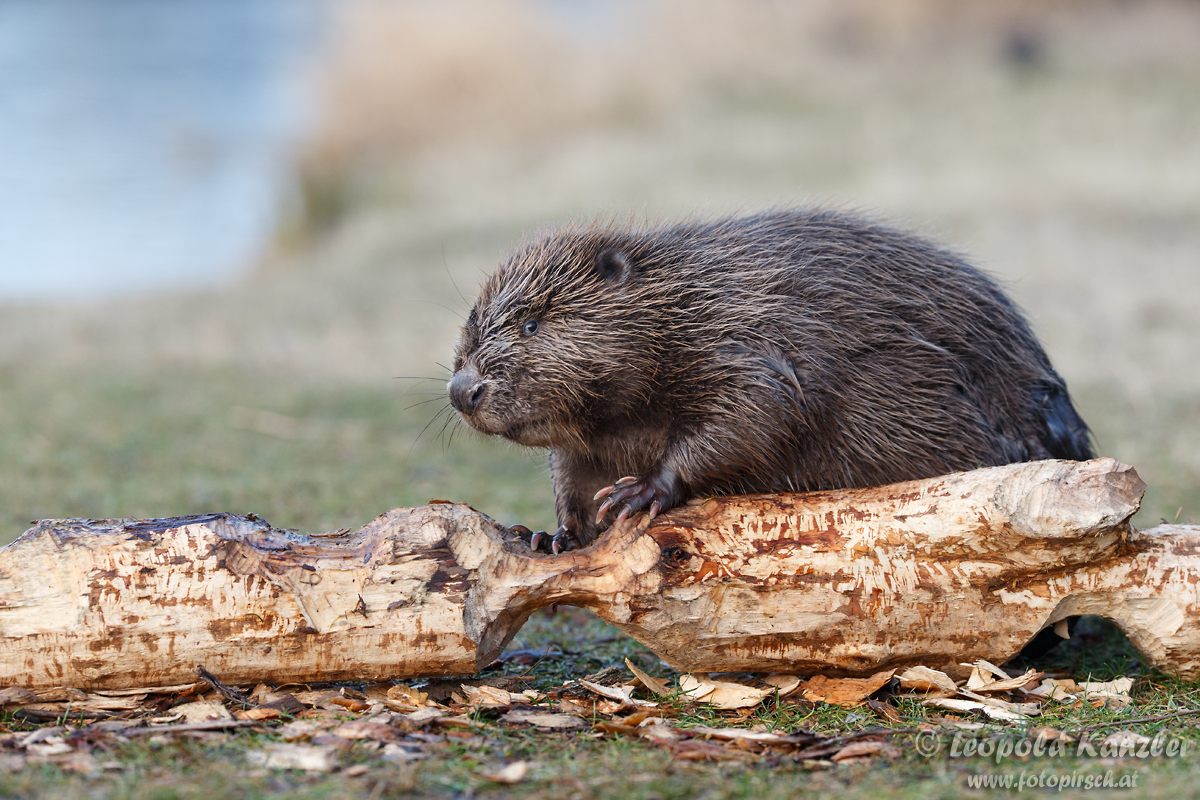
{"points": [[951, 569]]}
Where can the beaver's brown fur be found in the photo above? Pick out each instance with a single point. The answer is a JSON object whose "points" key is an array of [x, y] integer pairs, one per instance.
{"points": [[789, 351]]}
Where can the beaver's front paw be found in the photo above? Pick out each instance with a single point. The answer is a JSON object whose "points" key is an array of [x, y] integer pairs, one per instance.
{"points": [[631, 495]]}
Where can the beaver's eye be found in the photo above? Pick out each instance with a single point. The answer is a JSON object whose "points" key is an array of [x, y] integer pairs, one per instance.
{"points": [[530, 327]]}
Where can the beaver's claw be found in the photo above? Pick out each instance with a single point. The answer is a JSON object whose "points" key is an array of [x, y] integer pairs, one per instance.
{"points": [[560, 542], [632, 495]]}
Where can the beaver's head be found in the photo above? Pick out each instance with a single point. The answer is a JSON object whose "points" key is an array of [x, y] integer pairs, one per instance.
{"points": [[557, 338]]}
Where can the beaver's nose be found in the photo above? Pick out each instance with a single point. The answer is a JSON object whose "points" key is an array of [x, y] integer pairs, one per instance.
{"points": [[466, 390]]}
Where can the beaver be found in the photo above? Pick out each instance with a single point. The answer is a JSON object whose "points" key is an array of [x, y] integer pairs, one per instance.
{"points": [[788, 351]]}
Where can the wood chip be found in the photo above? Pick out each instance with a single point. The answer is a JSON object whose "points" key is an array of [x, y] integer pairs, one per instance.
{"points": [[542, 719], [17, 696], [1006, 685], [988, 667], [784, 684], [653, 684], [487, 697], [722, 694], [845, 692], [924, 679]]}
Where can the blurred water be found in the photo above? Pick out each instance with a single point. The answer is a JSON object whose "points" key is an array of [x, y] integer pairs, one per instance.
{"points": [[143, 143]]}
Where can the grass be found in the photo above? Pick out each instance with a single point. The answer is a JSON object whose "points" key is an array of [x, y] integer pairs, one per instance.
{"points": [[174, 441], [590, 765]]}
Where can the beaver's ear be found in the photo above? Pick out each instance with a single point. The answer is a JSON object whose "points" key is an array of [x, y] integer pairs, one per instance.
{"points": [[613, 266]]}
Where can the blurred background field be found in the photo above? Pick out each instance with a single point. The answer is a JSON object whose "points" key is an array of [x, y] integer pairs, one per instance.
{"points": [[1058, 144]]}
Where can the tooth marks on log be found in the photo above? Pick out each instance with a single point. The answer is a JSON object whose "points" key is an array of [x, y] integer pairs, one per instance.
{"points": [[954, 568]]}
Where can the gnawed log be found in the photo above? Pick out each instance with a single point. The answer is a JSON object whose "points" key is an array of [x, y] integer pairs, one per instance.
{"points": [[952, 569]]}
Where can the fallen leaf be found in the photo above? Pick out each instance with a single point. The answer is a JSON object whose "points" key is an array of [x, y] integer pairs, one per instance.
{"points": [[202, 711], [160, 731], [653, 684], [696, 750], [659, 730], [1025, 709], [1125, 742], [366, 729], [297, 729], [844, 692], [885, 710], [406, 695], [49, 746], [924, 679], [350, 703], [512, 773], [544, 720], [638, 717], [314, 699], [866, 750], [1048, 734], [257, 713], [617, 728], [994, 712], [487, 697], [461, 721], [399, 754], [722, 694], [569, 705], [422, 715], [747, 735], [165, 719], [293, 756]]}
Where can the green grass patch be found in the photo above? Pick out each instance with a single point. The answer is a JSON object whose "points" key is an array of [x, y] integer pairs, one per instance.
{"points": [[172, 441]]}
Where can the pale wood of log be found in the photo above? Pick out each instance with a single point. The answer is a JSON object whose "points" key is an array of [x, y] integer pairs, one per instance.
{"points": [[931, 572]]}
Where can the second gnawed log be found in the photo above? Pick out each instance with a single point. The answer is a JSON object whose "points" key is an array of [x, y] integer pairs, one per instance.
{"points": [[945, 570]]}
